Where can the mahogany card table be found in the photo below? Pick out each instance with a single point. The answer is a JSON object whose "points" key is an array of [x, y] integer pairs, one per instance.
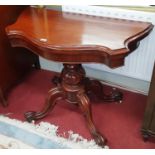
{"points": [[73, 39]]}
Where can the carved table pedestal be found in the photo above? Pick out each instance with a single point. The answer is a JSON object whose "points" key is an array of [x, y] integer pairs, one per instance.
{"points": [[73, 39]]}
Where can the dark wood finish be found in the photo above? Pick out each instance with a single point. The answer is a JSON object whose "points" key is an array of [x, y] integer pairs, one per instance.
{"points": [[148, 127], [67, 37], [71, 89], [14, 62], [74, 39], [94, 90]]}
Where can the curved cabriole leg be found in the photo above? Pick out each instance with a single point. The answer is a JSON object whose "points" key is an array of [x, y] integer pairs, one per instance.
{"points": [[53, 95], [94, 90], [86, 109]]}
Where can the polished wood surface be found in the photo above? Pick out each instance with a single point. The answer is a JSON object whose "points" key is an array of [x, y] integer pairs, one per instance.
{"points": [[74, 38], [14, 62], [72, 89]]}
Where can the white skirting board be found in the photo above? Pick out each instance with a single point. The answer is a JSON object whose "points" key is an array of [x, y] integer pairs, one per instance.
{"points": [[108, 78]]}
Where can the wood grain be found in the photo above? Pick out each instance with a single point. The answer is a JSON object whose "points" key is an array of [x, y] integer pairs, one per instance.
{"points": [[76, 38]]}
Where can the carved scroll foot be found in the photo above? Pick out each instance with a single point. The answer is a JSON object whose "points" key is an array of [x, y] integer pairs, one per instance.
{"points": [[86, 109], [54, 95], [98, 137], [94, 90], [114, 96], [30, 116]]}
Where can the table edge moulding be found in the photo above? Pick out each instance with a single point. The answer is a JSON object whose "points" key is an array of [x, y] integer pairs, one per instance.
{"points": [[99, 53], [73, 39]]}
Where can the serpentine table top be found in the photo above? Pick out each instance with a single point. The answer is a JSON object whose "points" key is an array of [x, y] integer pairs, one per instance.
{"points": [[77, 38], [73, 39]]}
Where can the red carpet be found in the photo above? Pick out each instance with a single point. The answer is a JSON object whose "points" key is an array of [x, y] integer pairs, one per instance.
{"points": [[120, 123]]}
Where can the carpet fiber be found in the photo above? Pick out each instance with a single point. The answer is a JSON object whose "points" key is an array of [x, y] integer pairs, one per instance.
{"points": [[20, 135], [120, 123]]}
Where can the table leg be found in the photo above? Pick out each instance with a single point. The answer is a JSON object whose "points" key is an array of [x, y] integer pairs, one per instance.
{"points": [[72, 89], [86, 109], [73, 84], [94, 90], [53, 95]]}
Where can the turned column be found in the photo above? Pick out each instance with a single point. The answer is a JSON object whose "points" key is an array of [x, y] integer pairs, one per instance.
{"points": [[72, 81], [72, 89]]}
